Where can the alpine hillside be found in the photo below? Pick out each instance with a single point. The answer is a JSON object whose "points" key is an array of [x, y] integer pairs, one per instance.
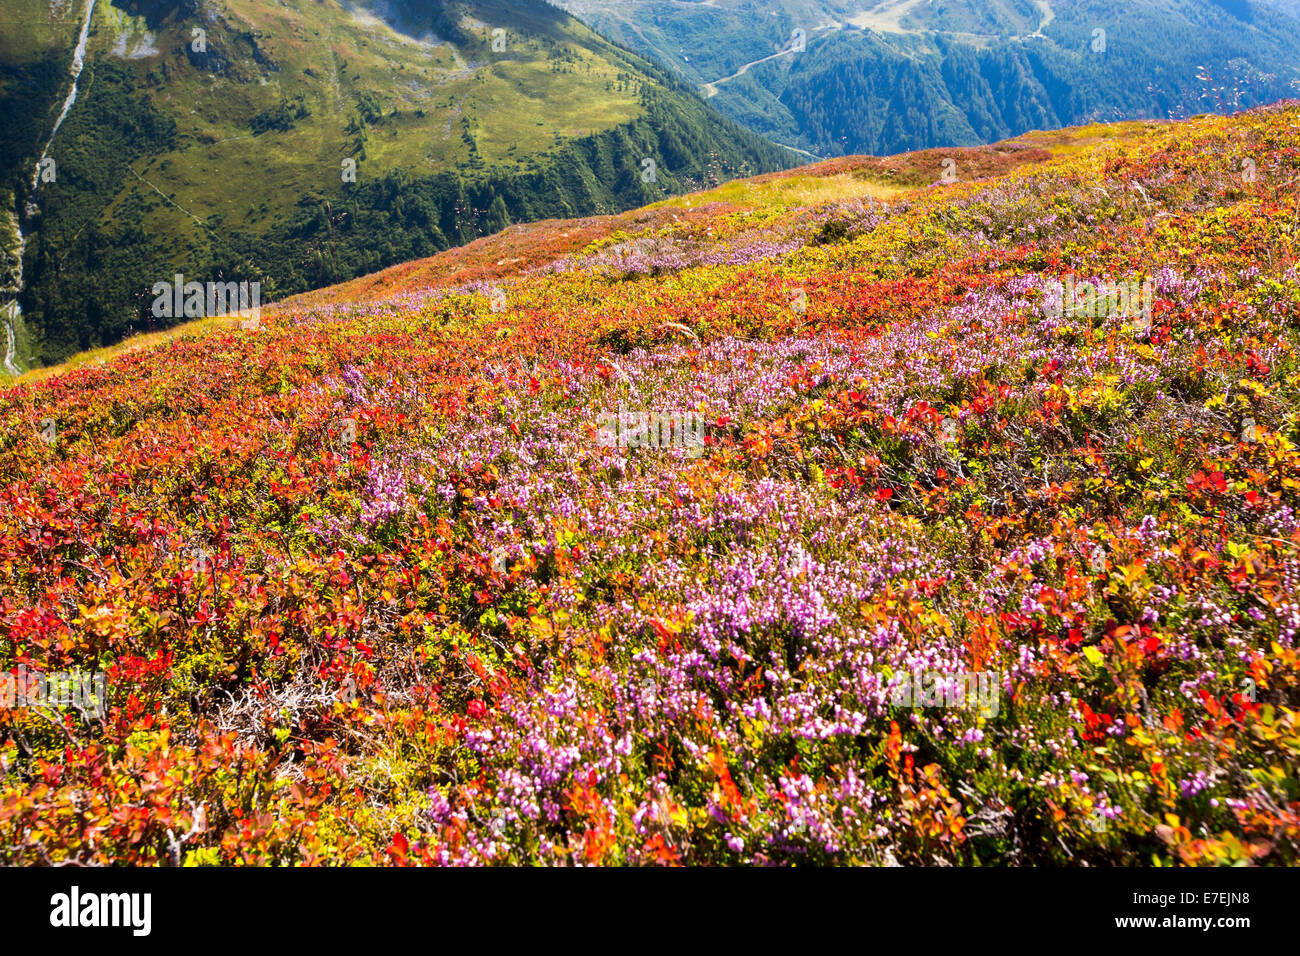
{"points": [[294, 143]]}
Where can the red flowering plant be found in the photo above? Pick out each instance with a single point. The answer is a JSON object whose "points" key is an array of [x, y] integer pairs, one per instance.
{"points": [[957, 574]]}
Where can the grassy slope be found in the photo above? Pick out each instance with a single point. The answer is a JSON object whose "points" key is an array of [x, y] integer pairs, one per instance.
{"points": [[529, 245], [464, 91], [330, 57]]}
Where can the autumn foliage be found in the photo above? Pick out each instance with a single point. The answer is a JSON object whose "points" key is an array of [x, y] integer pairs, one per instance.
{"points": [[368, 588]]}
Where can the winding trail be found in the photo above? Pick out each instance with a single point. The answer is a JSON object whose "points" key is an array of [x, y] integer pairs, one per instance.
{"points": [[796, 149], [711, 89]]}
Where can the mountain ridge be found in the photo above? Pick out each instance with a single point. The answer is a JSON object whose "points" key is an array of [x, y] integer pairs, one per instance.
{"points": [[895, 75]]}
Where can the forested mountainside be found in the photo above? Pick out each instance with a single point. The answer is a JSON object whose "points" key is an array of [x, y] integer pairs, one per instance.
{"points": [[855, 76], [294, 143]]}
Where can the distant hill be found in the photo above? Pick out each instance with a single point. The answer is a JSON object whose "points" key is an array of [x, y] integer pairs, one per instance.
{"points": [[848, 76], [220, 139]]}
